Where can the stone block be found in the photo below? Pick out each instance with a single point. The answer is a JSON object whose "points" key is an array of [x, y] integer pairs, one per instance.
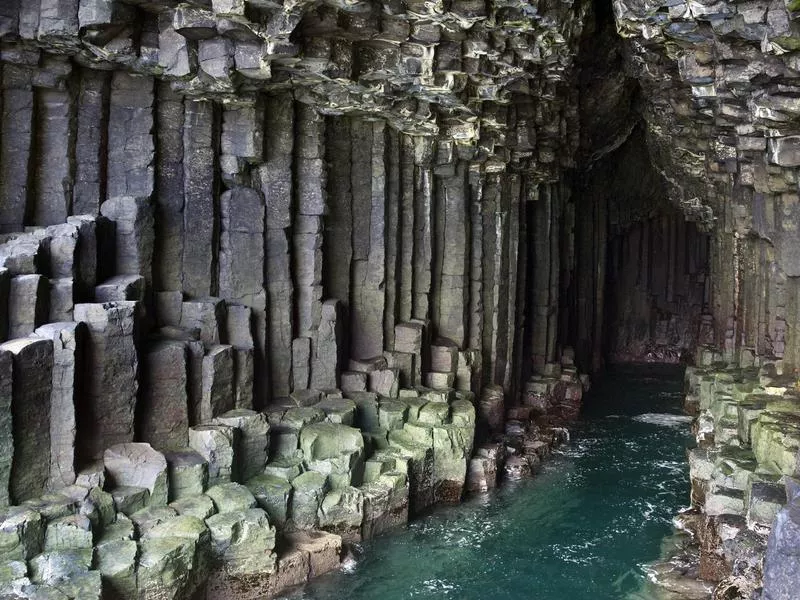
{"points": [[444, 356], [218, 445], [208, 316], [111, 385], [32, 388], [231, 497], [342, 511], [23, 534], [385, 382], [165, 563], [135, 234], [194, 531], [187, 473], [273, 495], [301, 363], [244, 540], [94, 503], [136, 464], [69, 341], [6, 424], [243, 377], [336, 451], [121, 288], [50, 568], [408, 365], [328, 347], [28, 304], [338, 410], [61, 305], [381, 512], [130, 499], [286, 467], [217, 382], [194, 367], [145, 519], [353, 381], [420, 457], [24, 255], [408, 338], [5, 285], [440, 381], [305, 398], [116, 562], [253, 441], [392, 414], [200, 507], [367, 417], [164, 399], [308, 491]]}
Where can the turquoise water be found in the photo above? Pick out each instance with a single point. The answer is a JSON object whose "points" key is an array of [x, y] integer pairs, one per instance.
{"points": [[581, 530]]}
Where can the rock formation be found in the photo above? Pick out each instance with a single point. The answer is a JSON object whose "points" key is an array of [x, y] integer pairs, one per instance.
{"points": [[312, 266]]}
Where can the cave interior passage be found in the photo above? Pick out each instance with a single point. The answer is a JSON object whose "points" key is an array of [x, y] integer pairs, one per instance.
{"points": [[617, 269]]}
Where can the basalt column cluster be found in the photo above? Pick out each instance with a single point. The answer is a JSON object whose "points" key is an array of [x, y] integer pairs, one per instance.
{"points": [[719, 98], [265, 279], [277, 274]]}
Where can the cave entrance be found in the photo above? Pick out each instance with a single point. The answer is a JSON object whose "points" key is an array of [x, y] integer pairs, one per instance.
{"points": [[639, 261], [634, 285]]}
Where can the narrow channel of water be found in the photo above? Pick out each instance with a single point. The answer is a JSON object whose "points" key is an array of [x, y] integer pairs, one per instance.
{"points": [[581, 530]]}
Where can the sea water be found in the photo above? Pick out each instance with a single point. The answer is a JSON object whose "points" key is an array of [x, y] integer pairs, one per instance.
{"points": [[583, 529]]}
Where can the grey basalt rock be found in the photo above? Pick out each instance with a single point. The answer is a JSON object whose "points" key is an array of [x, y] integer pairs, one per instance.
{"points": [[137, 464], [253, 441], [782, 560], [273, 494], [187, 473], [69, 341], [112, 383], [164, 401], [32, 388], [217, 382], [6, 424], [218, 445], [28, 304]]}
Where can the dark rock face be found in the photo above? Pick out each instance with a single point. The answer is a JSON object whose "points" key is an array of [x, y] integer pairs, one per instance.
{"points": [[783, 554], [226, 224]]}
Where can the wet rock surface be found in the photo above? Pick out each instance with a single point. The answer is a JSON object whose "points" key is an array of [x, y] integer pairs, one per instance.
{"points": [[355, 258], [739, 529]]}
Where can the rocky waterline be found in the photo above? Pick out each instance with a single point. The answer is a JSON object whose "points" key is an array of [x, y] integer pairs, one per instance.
{"points": [[303, 268], [585, 527]]}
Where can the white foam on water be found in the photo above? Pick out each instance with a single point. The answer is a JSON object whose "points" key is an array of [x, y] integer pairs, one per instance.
{"points": [[664, 419]]}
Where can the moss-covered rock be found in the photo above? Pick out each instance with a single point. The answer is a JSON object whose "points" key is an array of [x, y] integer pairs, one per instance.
{"points": [[273, 495], [231, 497]]}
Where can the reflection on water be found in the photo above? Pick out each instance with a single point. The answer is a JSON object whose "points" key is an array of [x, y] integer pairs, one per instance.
{"points": [[584, 528]]}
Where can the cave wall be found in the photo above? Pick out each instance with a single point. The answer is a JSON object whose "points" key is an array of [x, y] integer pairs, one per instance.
{"points": [[435, 163], [223, 222], [243, 202], [720, 83], [657, 282], [270, 276]]}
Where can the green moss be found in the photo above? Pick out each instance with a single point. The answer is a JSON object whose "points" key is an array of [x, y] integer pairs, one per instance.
{"points": [[787, 42]]}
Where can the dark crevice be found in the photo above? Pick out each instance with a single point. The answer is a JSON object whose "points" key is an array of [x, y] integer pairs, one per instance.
{"points": [[638, 288]]}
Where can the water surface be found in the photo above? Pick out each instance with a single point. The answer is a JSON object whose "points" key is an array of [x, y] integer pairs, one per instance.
{"points": [[581, 530]]}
